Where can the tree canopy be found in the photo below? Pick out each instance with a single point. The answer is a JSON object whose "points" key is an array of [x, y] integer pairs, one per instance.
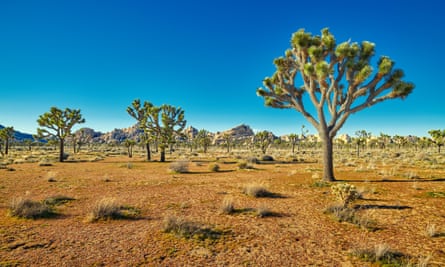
{"points": [[58, 124]]}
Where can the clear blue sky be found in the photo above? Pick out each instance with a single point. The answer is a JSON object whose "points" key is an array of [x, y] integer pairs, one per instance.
{"points": [[208, 57]]}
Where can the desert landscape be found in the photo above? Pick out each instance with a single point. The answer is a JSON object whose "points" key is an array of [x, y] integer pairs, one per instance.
{"points": [[400, 209]]}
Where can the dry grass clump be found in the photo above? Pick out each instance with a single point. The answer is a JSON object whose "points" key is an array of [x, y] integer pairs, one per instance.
{"points": [[350, 215], [187, 229], [264, 211], [227, 206], [57, 200], [256, 190], [109, 208], [382, 255], [180, 166], [29, 209], [432, 231], [214, 167], [243, 165]]}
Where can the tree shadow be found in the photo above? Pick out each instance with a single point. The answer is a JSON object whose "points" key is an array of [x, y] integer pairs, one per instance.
{"points": [[394, 180], [388, 207]]}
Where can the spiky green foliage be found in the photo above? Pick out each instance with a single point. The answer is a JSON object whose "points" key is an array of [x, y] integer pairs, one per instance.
{"points": [[262, 140], [338, 79], [6, 135], [438, 137], [203, 139], [164, 123], [57, 124]]}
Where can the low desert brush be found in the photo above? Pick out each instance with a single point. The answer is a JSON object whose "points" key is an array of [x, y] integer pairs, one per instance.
{"points": [[213, 167], [30, 209], [181, 166], [382, 255], [256, 190], [187, 229], [227, 206], [109, 208]]}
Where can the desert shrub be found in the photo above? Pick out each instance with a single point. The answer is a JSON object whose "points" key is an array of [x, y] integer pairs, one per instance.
{"points": [[227, 206], [350, 215], [252, 160], [109, 208], [264, 211], [382, 255], [255, 190], [345, 193], [181, 166], [267, 158], [431, 230], [213, 167], [187, 229], [244, 165], [30, 209]]}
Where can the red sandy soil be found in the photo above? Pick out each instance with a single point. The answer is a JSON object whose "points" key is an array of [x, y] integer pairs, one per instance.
{"points": [[299, 233]]}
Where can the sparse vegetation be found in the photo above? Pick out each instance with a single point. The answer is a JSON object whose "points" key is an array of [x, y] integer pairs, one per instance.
{"points": [[214, 167], [109, 208], [29, 209], [345, 193], [190, 230], [256, 190], [381, 254], [227, 206], [181, 166]]}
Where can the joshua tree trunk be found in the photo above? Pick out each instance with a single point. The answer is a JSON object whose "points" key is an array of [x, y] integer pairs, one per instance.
{"points": [[328, 161], [147, 146], [162, 153], [61, 152]]}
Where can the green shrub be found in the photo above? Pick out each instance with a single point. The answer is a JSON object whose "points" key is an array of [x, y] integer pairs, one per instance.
{"points": [[183, 228]]}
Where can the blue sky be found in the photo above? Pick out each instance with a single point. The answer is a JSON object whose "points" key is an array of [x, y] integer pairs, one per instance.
{"points": [[208, 57]]}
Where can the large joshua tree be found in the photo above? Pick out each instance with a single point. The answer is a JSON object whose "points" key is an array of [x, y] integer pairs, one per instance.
{"points": [[57, 124], [6, 135], [140, 113], [337, 79]]}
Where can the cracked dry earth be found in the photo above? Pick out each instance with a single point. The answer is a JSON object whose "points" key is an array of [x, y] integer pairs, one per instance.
{"points": [[298, 234]]}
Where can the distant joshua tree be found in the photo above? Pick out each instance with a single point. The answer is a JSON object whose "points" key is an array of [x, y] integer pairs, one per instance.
{"points": [[337, 78], [263, 140], [203, 139], [228, 141], [140, 113], [6, 135], [165, 123], [129, 144], [361, 139], [438, 137], [58, 124]]}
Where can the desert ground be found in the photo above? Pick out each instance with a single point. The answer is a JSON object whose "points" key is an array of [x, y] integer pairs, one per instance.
{"points": [[402, 197]]}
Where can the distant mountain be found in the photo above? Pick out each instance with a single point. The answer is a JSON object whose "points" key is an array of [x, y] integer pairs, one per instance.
{"points": [[19, 136]]}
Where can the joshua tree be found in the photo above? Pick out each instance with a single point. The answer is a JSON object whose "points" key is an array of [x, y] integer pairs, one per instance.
{"points": [[438, 137], [6, 135], [140, 113], [81, 137], [203, 139], [361, 139], [228, 140], [129, 144], [58, 124], [337, 79], [164, 122], [263, 140], [293, 139]]}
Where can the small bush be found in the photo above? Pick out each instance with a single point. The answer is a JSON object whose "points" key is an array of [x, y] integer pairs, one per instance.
{"points": [[181, 166], [214, 167], [255, 190], [382, 255], [29, 209], [227, 206], [349, 215], [345, 193], [108, 208], [431, 230], [244, 165], [252, 160], [264, 211], [183, 228]]}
